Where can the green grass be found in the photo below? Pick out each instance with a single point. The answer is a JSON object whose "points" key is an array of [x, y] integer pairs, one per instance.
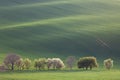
{"points": [[62, 75]]}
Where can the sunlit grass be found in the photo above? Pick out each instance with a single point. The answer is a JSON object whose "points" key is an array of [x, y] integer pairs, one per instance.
{"points": [[64, 75]]}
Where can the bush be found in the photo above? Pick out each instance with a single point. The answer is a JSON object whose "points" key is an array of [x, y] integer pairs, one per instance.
{"points": [[40, 63], [55, 63], [2, 68], [87, 62], [10, 60], [27, 63], [36, 63], [108, 63], [58, 63], [20, 64], [49, 63]]}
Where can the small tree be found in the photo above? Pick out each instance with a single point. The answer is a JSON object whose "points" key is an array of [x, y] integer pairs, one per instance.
{"points": [[40, 63], [108, 63], [57, 63], [49, 63], [36, 63], [19, 64], [27, 63], [43, 62], [87, 62], [10, 60], [70, 61]]}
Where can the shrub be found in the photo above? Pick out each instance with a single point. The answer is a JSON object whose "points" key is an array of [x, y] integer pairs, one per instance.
{"points": [[19, 64], [36, 63], [10, 60], [2, 68], [58, 63], [40, 63], [70, 61], [87, 62], [49, 63], [27, 63], [55, 63], [108, 63]]}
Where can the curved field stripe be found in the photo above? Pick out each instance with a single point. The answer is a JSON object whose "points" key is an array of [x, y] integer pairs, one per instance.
{"points": [[51, 21], [35, 5], [68, 19]]}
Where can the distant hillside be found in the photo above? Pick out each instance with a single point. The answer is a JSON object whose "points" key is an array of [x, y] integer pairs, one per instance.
{"points": [[58, 28]]}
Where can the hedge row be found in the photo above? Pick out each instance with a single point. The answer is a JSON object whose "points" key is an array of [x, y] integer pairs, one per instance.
{"points": [[14, 61]]}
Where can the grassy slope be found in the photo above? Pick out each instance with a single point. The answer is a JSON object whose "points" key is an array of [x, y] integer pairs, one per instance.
{"points": [[64, 75], [51, 28]]}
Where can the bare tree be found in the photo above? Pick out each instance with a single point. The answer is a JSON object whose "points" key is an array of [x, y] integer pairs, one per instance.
{"points": [[10, 60], [70, 61]]}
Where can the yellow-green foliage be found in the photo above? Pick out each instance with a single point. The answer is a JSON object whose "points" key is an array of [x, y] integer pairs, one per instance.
{"points": [[20, 64], [40, 63], [27, 63], [87, 62]]}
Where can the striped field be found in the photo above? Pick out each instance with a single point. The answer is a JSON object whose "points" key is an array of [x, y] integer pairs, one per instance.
{"points": [[53, 28]]}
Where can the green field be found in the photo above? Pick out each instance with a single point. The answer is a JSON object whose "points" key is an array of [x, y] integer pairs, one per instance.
{"points": [[62, 75], [61, 28], [53, 28]]}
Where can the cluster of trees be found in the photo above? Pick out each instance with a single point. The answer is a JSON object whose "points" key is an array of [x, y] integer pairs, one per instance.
{"points": [[14, 61], [22, 64]]}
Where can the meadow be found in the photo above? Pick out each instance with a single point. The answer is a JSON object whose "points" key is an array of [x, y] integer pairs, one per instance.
{"points": [[62, 75], [61, 28], [53, 28]]}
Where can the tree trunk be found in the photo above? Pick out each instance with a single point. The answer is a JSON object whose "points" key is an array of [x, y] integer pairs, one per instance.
{"points": [[90, 67], [12, 67]]}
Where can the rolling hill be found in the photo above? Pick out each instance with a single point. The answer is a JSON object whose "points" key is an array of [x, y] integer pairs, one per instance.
{"points": [[59, 28]]}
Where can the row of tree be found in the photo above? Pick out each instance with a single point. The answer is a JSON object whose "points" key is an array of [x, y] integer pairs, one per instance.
{"points": [[14, 61]]}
